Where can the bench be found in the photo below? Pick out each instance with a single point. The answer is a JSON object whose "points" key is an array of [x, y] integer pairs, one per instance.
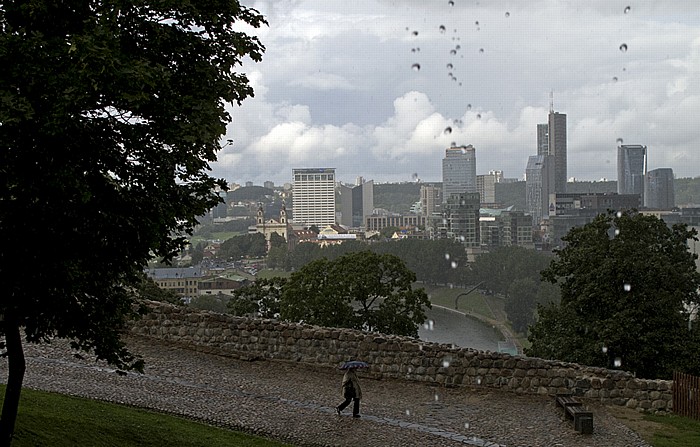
{"points": [[582, 418]]}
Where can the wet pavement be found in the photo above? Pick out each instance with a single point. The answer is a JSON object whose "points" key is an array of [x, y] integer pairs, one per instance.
{"points": [[296, 403], [448, 326]]}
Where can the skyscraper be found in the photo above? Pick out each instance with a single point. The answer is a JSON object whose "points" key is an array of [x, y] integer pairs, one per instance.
{"points": [[543, 139], [355, 202], [557, 148], [658, 189], [539, 183], [631, 169], [313, 199], [458, 171]]}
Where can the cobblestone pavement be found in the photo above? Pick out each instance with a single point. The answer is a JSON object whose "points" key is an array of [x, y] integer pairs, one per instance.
{"points": [[295, 403]]}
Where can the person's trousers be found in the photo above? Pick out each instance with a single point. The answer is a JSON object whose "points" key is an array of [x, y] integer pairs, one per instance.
{"points": [[355, 406]]}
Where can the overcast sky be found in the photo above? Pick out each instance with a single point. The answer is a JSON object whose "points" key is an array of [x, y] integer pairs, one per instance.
{"points": [[338, 87]]}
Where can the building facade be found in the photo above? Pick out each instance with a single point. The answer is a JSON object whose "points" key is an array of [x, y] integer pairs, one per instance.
{"points": [[430, 199], [539, 184], [460, 220], [355, 202], [486, 186], [631, 169], [557, 148], [658, 189], [458, 171], [313, 199], [543, 139]]}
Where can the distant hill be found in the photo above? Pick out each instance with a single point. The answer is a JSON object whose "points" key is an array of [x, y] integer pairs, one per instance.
{"points": [[687, 191], [249, 194], [396, 197]]}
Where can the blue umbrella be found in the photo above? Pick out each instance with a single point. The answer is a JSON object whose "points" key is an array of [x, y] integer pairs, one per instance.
{"points": [[354, 364]]}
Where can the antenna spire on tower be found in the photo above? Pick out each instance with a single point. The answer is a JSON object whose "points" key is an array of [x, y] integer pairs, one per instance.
{"points": [[551, 101]]}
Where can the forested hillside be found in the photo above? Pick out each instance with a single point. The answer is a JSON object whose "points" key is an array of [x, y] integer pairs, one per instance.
{"points": [[396, 197], [687, 191]]}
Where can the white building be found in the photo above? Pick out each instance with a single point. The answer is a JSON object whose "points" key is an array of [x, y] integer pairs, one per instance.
{"points": [[313, 199]]}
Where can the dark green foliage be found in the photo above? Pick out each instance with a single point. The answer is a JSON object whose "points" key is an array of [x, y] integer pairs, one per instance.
{"points": [[111, 112], [396, 197], [260, 298], [361, 290], [623, 298], [197, 253], [687, 191], [249, 194], [247, 245], [214, 303], [147, 289]]}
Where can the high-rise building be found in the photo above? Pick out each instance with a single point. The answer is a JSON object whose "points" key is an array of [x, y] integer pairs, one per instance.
{"points": [[430, 199], [458, 171], [539, 183], [355, 202], [486, 186], [543, 139], [461, 219], [557, 148], [658, 189], [631, 169], [313, 199]]}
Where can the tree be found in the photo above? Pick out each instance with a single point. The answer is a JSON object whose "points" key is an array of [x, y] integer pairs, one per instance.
{"points": [[361, 290], [260, 298], [253, 245], [111, 112], [626, 281]]}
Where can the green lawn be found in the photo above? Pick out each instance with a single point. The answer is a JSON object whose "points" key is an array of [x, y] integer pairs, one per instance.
{"points": [[49, 419], [474, 302], [674, 431]]}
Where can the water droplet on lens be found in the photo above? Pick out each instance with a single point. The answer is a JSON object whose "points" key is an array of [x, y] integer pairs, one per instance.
{"points": [[604, 349], [627, 9], [451, 3], [619, 143], [442, 28], [448, 130], [478, 116], [617, 231], [453, 265], [623, 47], [447, 256], [507, 14], [627, 287], [617, 362], [476, 23], [415, 33], [614, 78], [413, 50], [458, 47], [453, 52], [619, 214], [449, 66], [415, 67], [481, 50], [469, 106]]}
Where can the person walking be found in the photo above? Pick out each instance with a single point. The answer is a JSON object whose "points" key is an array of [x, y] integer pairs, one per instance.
{"points": [[351, 393]]}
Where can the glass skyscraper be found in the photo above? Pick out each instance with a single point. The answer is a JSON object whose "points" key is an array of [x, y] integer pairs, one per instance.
{"points": [[458, 171]]}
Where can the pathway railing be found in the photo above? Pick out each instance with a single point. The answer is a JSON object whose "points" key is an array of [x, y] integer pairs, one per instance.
{"points": [[686, 395]]}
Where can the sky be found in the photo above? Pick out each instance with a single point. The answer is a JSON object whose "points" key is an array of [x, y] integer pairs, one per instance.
{"points": [[380, 89]]}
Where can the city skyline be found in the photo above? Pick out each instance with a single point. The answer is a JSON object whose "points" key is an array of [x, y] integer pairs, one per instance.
{"points": [[336, 87]]}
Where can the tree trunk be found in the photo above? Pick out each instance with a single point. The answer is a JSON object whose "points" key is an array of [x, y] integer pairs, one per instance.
{"points": [[15, 377]]}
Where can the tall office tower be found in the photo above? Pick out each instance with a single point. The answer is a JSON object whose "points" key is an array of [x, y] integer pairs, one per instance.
{"points": [[355, 202], [461, 219], [430, 199], [543, 139], [557, 148], [658, 189], [313, 199], [539, 183], [458, 171], [486, 186], [631, 169]]}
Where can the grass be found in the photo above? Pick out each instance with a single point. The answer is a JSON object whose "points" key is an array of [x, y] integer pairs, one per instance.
{"points": [[49, 419], [474, 302], [660, 430]]}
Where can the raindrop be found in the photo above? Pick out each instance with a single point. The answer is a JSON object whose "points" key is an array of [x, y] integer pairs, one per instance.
{"points": [[481, 50], [431, 325], [627, 9], [604, 349], [478, 380], [623, 47], [460, 84], [448, 130], [627, 287], [447, 256], [415, 67], [624, 69], [478, 116], [408, 412], [453, 264], [450, 74], [619, 214], [413, 50], [415, 33], [453, 52], [617, 362], [619, 142], [449, 66], [418, 49], [462, 238], [446, 363], [458, 47], [469, 107], [437, 397], [614, 78], [476, 23], [617, 231], [451, 3], [507, 14], [442, 29], [466, 425]]}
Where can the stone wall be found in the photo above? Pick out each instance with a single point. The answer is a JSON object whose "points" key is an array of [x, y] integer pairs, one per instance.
{"points": [[394, 357]]}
